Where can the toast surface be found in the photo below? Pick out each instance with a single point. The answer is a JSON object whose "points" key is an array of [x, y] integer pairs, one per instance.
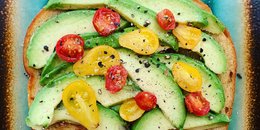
{"points": [[227, 79]]}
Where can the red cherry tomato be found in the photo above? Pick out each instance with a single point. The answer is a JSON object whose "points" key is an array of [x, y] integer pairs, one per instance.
{"points": [[146, 100], [116, 77], [166, 19], [70, 48], [197, 104], [106, 21]]}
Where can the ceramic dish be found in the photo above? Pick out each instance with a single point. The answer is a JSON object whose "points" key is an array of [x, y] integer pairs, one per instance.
{"points": [[241, 17]]}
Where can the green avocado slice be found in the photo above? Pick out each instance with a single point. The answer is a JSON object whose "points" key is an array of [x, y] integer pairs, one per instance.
{"points": [[74, 4], [212, 88]]}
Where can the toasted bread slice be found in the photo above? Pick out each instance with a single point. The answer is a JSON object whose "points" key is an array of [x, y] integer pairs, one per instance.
{"points": [[227, 79]]}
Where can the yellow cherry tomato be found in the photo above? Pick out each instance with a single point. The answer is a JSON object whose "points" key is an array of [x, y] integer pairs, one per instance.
{"points": [[80, 101], [188, 37], [187, 77], [142, 41], [97, 61], [130, 111]]}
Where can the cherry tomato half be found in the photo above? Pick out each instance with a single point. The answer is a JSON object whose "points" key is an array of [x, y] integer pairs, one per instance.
{"points": [[116, 78], [106, 21], [166, 19], [70, 48], [146, 100], [130, 111], [197, 104], [80, 101]]}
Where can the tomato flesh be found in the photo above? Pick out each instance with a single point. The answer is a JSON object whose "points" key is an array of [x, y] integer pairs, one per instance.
{"points": [[142, 41], [97, 61], [187, 77], [146, 100], [116, 77], [106, 21], [197, 104], [130, 111], [166, 19], [188, 37], [80, 101], [70, 48]]}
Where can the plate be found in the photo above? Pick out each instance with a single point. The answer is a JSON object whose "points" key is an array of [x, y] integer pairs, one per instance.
{"points": [[239, 16]]}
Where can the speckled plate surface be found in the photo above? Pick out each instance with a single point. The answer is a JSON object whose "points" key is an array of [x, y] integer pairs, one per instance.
{"points": [[242, 18]]}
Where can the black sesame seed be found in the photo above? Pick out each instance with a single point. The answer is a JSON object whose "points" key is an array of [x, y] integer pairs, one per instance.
{"points": [[147, 23], [147, 64], [158, 59], [137, 70], [41, 101], [138, 79], [132, 15], [179, 13], [145, 11], [117, 24], [157, 65], [201, 50], [138, 7], [34, 65], [57, 21], [209, 86], [99, 91], [100, 64], [143, 40], [46, 48], [105, 52], [204, 39], [140, 62], [239, 76], [48, 117], [112, 56]]}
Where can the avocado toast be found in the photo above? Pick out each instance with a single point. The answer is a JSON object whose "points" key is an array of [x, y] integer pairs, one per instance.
{"points": [[227, 78]]}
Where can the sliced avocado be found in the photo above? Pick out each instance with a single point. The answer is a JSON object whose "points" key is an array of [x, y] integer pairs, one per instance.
{"points": [[122, 26], [109, 120], [46, 36], [54, 68], [86, 36], [142, 17], [212, 53], [105, 97], [212, 88], [42, 109], [205, 122], [183, 11], [153, 120], [157, 80], [116, 108], [74, 4], [57, 72], [214, 26], [52, 63], [111, 40]]}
